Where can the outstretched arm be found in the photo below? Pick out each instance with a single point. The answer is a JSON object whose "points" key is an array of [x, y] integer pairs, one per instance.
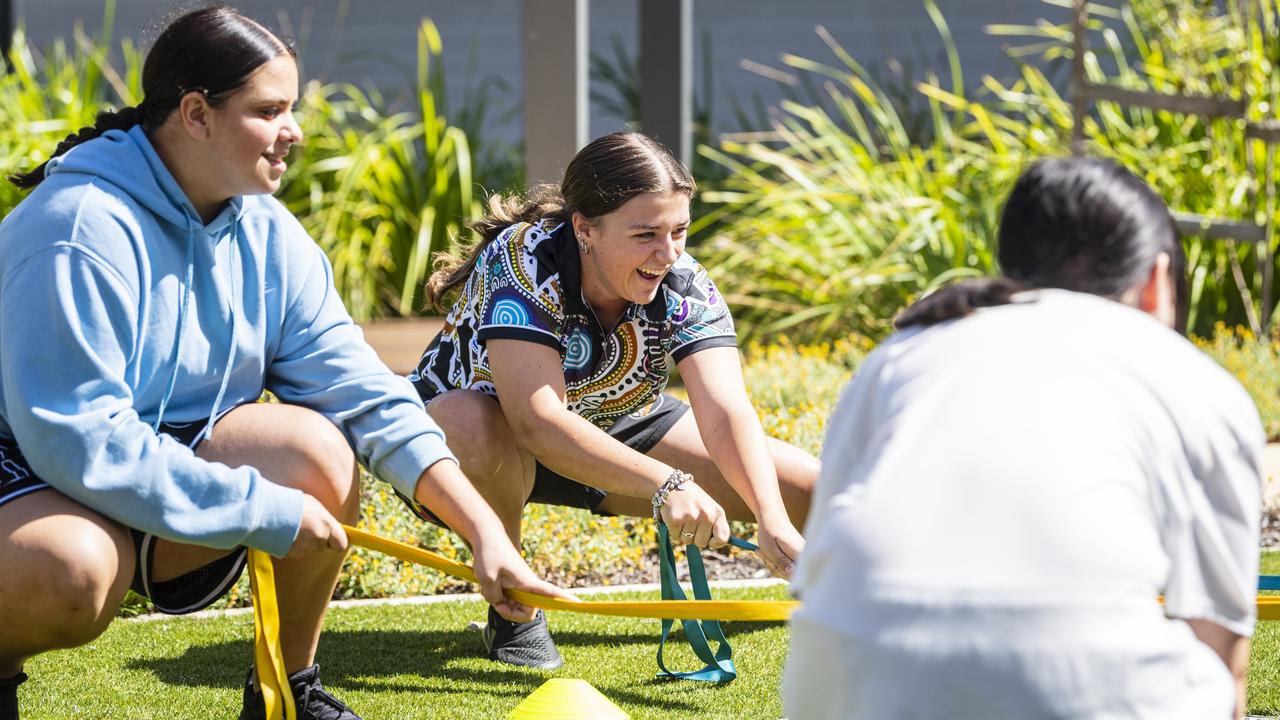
{"points": [[530, 383], [498, 565], [733, 436]]}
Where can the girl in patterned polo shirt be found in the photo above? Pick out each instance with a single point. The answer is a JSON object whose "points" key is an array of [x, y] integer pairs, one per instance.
{"points": [[575, 306]]}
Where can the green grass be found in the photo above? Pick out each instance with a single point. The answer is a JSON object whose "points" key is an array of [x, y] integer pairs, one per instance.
{"points": [[1264, 656], [403, 662], [421, 661]]}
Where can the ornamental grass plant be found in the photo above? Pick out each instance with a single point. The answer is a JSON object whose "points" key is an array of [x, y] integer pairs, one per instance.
{"points": [[47, 95], [835, 217], [380, 189]]}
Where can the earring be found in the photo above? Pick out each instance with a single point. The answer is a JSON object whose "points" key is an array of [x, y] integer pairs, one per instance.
{"points": [[586, 250]]}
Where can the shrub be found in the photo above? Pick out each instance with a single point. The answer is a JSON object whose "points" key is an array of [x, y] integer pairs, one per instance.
{"points": [[1255, 364], [835, 217], [380, 191]]}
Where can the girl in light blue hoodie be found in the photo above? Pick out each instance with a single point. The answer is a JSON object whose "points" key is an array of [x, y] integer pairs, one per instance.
{"points": [[152, 290]]}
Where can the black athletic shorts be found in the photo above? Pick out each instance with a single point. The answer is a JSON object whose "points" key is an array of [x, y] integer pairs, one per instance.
{"points": [[636, 431], [188, 593]]}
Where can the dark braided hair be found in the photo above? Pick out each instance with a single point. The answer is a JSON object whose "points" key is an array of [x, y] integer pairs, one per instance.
{"points": [[212, 51], [1081, 224]]}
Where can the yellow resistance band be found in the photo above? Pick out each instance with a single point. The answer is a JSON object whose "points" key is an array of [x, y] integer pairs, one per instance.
{"points": [[1269, 607], [277, 696], [266, 620], [756, 610]]}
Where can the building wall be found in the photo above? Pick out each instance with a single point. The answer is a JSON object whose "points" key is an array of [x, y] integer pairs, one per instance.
{"points": [[376, 41]]}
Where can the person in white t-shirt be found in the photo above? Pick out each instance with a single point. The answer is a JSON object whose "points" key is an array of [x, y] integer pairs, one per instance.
{"points": [[1013, 479]]}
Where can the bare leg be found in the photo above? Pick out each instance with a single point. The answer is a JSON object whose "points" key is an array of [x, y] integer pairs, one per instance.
{"points": [[66, 568], [503, 473], [296, 447], [682, 448], [487, 452]]}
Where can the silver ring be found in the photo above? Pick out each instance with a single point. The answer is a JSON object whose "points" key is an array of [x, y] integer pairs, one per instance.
{"points": [[686, 534]]}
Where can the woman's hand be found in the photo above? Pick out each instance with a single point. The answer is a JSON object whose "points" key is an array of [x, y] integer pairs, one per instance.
{"points": [[780, 547], [693, 518], [319, 530], [499, 567]]}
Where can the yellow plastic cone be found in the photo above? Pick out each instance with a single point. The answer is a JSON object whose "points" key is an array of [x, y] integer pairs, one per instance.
{"points": [[567, 699]]}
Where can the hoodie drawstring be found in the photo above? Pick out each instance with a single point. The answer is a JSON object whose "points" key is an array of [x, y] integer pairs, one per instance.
{"points": [[182, 324], [231, 343], [207, 432]]}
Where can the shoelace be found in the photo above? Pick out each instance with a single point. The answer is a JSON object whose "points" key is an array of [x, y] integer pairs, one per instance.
{"points": [[316, 690]]}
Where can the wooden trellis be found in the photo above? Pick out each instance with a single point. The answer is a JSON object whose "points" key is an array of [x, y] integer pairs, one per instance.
{"points": [[1084, 93]]}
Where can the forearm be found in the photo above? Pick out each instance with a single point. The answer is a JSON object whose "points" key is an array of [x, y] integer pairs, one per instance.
{"points": [[1238, 664], [737, 445], [575, 448], [447, 492], [1233, 649]]}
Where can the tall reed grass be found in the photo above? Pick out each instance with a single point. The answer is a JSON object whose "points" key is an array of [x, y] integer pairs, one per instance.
{"points": [[379, 189], [835, 217]]}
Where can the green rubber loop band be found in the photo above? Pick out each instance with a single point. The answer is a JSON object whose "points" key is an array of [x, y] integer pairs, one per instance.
{"points": [[719, 663]]}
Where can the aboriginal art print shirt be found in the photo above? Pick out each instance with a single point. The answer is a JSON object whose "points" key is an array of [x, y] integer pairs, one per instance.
{"points": [[526, 285]]}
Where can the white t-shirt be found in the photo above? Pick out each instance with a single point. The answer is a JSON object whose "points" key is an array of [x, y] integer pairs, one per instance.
{"points": [[1003, 497]]}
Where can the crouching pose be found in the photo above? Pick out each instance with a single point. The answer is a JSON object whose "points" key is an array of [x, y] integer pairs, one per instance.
{"points": [[575, 306], [153, 290], [1011, 481]]}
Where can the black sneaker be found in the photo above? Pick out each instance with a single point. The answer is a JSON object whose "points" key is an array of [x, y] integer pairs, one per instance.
{"points": [[313, 701], [527, 644], [9, 696]]}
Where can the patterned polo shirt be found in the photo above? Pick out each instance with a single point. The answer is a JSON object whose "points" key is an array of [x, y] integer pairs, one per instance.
{"points": [[527, 285]]}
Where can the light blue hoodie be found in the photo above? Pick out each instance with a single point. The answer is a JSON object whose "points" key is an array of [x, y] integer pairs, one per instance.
{"points": [[95, 267]]}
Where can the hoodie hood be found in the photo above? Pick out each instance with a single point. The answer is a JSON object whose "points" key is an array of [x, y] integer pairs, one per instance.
{"points": [[129, 161]]}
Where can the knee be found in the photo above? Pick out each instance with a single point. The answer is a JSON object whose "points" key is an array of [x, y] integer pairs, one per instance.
{"points": [[477, 432], [797, 475], [804, 476], [797, 470], [72, 580], [323, 465]]}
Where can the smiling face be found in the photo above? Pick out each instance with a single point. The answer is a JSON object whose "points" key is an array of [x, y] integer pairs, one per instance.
{"points": [[626, 253], [251, 132]]}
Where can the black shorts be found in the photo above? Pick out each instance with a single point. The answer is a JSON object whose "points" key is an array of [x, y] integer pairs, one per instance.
{"points": [[638, 432], [188, 593]]}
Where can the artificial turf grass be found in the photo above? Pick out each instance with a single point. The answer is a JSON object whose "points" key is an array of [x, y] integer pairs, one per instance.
{"points": [[420, 661], [401, 661], [1264, 654]]}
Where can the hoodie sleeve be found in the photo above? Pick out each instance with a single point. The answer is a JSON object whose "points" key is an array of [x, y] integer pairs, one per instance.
{"points": [[324, 363], [66, 346]]}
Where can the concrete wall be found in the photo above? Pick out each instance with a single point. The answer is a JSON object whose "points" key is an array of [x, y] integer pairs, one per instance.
{"points": [[375, 41]]}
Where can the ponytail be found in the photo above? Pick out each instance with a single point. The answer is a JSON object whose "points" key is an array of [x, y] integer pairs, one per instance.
{"points": [[106, 120], [543, 202], [959, 300]]}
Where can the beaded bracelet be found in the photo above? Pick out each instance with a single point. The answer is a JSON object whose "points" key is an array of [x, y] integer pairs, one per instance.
{"points": [[675, 482]]}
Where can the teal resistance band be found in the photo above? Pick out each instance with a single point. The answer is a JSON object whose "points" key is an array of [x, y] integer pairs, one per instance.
{"points": [[720, 668]]}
